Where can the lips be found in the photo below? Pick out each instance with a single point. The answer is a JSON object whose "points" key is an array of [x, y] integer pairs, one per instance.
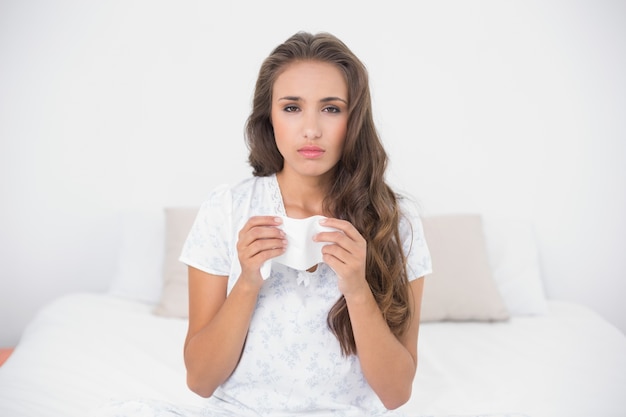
{"points": [[311, 152]]}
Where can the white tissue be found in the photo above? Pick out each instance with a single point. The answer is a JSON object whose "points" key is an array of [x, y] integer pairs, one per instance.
{"points": [[302, 252]]}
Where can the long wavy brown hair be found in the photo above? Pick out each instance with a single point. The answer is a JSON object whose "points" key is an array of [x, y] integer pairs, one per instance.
{"points": [[359, 193]]}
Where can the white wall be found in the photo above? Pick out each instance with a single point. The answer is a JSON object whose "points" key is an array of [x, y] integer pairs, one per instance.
{"points": [[513, 107]]}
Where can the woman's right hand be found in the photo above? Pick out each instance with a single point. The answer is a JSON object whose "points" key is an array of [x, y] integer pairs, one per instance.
{"points": [[219, 320], [259, 241]]}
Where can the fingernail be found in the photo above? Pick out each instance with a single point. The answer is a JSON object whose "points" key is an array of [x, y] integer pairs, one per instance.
{"points": [[278, 220], [322, 221]]}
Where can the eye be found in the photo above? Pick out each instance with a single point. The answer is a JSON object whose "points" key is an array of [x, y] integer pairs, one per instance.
{"points": [[291, 108], [332, 109]]}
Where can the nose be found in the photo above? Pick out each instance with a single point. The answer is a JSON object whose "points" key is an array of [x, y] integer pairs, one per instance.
{"points": [[312, 128]]}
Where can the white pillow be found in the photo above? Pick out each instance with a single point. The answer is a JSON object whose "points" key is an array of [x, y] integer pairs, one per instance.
{"points": [[461, 287], [514, 261], [174, 301], [140, 267]]}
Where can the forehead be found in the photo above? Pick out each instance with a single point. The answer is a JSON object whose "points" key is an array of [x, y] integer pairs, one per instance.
{"points": [[313, 78]]}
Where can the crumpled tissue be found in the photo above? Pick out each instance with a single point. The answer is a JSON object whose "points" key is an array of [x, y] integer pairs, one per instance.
{"points": [[302, 251]]}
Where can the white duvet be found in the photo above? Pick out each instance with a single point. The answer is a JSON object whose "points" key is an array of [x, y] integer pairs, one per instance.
{"points": [[84, 350]]}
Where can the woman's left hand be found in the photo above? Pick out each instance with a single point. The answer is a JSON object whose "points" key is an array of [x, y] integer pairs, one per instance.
{"points": [[345, 254]]}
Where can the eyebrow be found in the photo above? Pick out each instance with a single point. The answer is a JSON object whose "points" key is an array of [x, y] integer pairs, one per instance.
{"points": [[324, 100]]}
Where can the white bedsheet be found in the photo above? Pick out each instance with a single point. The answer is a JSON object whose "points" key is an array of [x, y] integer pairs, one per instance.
{"points": [[87, 349], [568, 363]]}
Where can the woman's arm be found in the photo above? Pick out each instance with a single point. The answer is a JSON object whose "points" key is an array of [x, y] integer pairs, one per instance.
{"points": [[388, 363], [218, 324], [217, 329]]}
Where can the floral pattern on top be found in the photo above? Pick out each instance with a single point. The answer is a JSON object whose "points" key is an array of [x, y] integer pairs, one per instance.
{"points": [[291, 363]]}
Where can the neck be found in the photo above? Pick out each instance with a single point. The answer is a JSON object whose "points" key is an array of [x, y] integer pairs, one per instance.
{"points": [[302, 196]]}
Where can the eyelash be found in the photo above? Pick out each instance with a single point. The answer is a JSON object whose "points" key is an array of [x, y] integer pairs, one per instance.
{"points": [[333, 109]]}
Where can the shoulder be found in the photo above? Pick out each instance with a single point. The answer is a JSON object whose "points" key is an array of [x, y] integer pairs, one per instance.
{"points": [[413, 238], [251, 191], [251, 185], [235, 190], [409, 211], [250, 196]]}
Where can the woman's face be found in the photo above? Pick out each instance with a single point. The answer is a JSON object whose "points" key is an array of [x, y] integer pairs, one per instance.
{"points": [[310, 117]]}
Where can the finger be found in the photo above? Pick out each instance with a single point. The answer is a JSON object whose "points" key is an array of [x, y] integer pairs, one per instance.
{"points": [[335, 252], [250, 245], [260, 227], [343, 225], [338, 238], [263, 245], [260, 252], [355, 247], [264, 232], [267, 254], [256, 221]]}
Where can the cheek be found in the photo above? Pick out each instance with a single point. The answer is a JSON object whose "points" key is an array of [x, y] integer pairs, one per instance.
{"points": [[277, 126], [279, 132], [340, 132], [280, 120], [344, 131]]}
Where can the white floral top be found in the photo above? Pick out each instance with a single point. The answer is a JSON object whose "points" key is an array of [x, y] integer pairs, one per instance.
{"points": [[291, 363]]}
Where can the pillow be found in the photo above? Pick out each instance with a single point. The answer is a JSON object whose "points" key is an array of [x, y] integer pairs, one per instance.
{"points": [[174, 300], [139, 274], [461, 287], [514, 261]]}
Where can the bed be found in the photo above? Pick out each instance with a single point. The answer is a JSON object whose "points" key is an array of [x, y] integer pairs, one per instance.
{"points": [[491, 343]]}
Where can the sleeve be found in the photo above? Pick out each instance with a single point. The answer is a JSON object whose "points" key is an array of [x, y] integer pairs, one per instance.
{"points": [[414, 244], [208, 245]]}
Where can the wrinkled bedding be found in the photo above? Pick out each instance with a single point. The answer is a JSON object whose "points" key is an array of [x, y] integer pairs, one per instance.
{"points": [[85, 350]]}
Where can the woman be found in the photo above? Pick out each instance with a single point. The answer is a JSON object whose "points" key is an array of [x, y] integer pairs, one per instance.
{"points": [[346, 344]]}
